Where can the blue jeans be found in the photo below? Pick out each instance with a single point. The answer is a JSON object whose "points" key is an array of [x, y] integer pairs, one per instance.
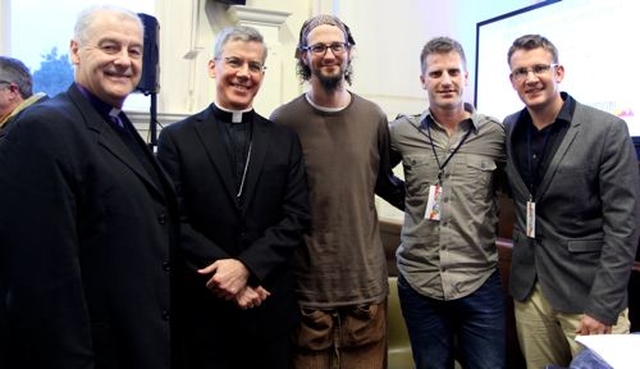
{"points": [[470, 329]]}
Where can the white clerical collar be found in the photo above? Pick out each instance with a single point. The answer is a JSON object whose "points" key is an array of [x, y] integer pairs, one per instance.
{"points": [[236, 115]]}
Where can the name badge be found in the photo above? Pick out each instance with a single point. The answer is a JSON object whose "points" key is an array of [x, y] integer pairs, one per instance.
{"points": [[531, 219], [433, 203]]}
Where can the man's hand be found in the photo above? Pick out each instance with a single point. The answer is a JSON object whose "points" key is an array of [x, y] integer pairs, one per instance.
{"points": [[251, 297], [589, 325], [229, 277]]}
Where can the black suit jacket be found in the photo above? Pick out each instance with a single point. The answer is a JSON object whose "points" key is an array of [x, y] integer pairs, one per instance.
{"points": [[263, 233], [88, 235]]}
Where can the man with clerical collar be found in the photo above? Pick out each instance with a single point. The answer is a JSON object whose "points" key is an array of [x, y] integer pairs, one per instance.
{"points": [[244, 208], [88, 221]]}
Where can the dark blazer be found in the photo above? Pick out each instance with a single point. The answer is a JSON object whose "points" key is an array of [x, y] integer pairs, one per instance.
{"points": [[4, 330], [263, 233], [586, 218], [7, 125], [89, 236]]}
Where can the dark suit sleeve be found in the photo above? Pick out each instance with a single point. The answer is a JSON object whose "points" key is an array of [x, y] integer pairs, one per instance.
{"points": [[199, 251], [388, 186], [275, 247], [618, 187], [38, 224]]}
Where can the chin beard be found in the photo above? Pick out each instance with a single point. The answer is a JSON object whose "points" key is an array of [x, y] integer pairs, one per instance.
{"points": [[330, 83]]}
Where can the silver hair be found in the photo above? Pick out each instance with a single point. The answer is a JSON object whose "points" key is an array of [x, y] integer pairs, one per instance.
{"points": [[87, 17], [238, 33]]}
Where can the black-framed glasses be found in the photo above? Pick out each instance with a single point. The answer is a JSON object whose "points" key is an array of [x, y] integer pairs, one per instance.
{"points": [[337, 48], [520, 74], [236, 63]]}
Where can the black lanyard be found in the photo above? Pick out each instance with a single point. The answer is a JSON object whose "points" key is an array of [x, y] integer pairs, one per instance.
{"points": [[533, 175], [446, 161]]}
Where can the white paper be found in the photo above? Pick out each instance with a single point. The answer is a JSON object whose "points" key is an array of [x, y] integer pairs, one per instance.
{"points": [[618, 350]]}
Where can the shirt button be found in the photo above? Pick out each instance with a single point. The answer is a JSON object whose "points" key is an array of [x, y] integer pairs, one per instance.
{"points": [[162, 218], [166, 266], [165, 315]]}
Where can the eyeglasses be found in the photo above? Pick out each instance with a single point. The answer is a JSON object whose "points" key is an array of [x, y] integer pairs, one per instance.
{"points": [[520, 74], [320, 49], [235, 63]]}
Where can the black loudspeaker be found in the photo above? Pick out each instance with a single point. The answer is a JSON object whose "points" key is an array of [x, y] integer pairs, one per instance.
{"points": [[150, 66]]}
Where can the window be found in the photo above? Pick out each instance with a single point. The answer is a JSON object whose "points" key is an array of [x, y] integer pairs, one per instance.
{"points": [[39, 35]]}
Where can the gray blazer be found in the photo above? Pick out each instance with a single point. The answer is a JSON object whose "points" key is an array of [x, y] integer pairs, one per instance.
{"points": [[587, 215]]}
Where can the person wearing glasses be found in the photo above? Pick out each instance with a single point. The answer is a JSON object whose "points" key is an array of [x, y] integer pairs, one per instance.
{"points": [[244, 208], [573, 174], [341, 274], [16, 94], [449, 283], [16, 91]]}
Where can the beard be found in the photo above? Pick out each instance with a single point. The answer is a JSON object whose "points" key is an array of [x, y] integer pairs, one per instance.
{"points": [[329, 82]]}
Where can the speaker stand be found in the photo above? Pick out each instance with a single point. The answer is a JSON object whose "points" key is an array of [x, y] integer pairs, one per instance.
{"points": [[153, 122]]}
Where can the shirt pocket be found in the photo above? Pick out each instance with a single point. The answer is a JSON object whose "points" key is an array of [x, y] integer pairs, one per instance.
{"points": [[475, 173], [420, 172]]}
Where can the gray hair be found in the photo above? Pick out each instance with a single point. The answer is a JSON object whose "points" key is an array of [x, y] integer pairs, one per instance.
{"points": [[441, 45], [14, 71], [238, 33], [87, 17]]}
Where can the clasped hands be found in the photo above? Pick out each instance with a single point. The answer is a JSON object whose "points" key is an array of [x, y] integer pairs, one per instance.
{"points": [[229, 281]]}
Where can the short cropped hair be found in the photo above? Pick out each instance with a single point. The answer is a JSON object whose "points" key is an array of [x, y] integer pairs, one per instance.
{"points": [[441, 45], [14, 71], [531, 42], [238, 33], [87, 17]]}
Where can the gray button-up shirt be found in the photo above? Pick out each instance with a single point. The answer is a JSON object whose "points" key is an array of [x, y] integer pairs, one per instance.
{"points": [[450, 258]]}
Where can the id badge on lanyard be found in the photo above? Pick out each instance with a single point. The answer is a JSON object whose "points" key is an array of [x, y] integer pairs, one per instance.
{"points": [[531, 219], [434, 203]]}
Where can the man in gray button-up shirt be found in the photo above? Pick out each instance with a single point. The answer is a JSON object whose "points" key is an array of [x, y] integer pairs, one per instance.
{"points": [[449, 283]]}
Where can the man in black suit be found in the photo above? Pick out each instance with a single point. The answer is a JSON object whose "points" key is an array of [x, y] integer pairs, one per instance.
{"points": [[87, 219], [244, 207]]}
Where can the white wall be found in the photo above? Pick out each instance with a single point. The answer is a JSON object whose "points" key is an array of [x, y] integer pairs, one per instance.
{"points": [[389, 37]]}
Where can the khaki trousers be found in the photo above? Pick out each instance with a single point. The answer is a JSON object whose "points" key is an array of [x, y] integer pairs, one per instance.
{"points": [[547, 336]]}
